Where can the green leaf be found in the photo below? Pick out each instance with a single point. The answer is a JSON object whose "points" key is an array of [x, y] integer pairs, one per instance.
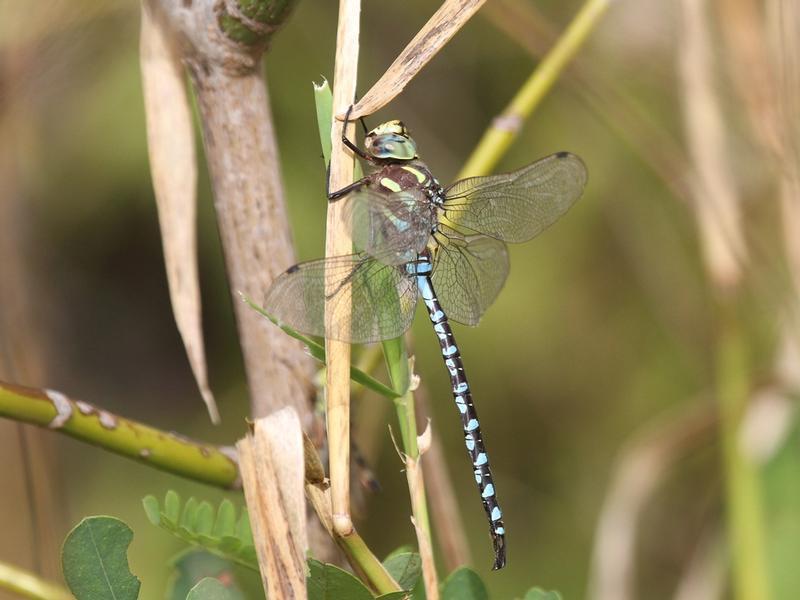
{"points": [[189, 514], [318, 351], [404, 549], [197, 525], [95, 562], [243, 531], [327, 582], [210, 589], [464, 584], [204, 521], [323, 100], [225, 525], [152, 509], [405, 568], [394, 596], [193, 565], [539, 594], [172, 506]]}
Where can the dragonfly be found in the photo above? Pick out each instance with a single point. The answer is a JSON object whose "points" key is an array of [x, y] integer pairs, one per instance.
{"points": [[414, 238]]}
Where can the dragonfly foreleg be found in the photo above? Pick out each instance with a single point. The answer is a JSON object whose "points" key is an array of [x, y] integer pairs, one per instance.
{"points": [[333, 196]]}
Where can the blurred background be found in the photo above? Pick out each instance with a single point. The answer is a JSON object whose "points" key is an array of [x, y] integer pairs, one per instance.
{"points": [[595, 373]]}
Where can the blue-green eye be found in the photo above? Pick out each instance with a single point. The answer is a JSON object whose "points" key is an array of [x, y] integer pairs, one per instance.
{"points": [[391, 146]]}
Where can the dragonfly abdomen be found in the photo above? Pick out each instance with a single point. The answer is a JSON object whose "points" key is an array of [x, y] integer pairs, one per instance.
{"points": [[469, 415]]}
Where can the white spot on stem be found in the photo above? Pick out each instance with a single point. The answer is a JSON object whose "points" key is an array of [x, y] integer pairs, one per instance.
{"points": [[63, 409]]}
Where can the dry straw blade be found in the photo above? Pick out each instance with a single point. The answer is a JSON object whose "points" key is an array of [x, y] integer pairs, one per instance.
{"points": [[273, 472], [173, 165], [442, 26], [338, 243]]}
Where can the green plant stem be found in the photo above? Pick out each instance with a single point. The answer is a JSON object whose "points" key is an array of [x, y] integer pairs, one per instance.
{"points": [[363, 560], [406, 418], [28, 585], [504, 130], [168, 451], [399, 367], [743, 489]]}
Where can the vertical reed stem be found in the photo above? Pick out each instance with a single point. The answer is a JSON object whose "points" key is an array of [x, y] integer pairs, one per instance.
{"points": [[337, 243]]}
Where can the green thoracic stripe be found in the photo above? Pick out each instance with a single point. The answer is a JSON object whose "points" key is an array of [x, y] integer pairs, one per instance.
{"points": [[390, 184], [421, 177]]}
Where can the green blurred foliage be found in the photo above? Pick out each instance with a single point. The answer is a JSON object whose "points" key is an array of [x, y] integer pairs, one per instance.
{"points": [[605, 323]]}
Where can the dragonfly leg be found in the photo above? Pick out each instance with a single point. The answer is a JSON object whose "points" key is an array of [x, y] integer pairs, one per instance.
{"points": [[358, 151], [346, 189]]}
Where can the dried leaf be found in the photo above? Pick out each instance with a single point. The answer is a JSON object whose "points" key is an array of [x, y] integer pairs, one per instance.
{"points": [[442, 26], [173, 164]]}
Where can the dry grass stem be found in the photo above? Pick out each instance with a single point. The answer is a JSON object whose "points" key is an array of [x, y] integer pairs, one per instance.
{"points": [[715, 199], [173, 168], [751, 70], [704, 577], [272, 467], [641, 468], [783, 24], [338, 242], [31, 460], [443, 25]]}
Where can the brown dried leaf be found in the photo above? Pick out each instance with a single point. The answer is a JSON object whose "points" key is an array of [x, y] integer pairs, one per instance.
{"points": [[173, 164], [442, 26]]}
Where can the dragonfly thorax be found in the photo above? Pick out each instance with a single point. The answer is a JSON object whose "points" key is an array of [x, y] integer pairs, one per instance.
{"points": [[408, 175], [390, 141]]}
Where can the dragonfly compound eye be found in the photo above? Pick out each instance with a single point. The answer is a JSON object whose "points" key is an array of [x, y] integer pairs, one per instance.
{"points": [[390, 141], [391, 146]]}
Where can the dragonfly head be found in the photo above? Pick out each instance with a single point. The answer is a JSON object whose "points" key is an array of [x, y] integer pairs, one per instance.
{"points": [[390, 141]]}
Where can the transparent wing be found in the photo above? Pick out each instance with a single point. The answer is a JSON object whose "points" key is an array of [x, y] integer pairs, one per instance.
{"points": [[517, 206], [371, 300], [469, 272], [393, 226]]}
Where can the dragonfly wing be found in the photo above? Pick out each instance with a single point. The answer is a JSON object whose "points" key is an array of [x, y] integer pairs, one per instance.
{"points": [[370, 300], [468, 275], [392, 226], [517, 206]]}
